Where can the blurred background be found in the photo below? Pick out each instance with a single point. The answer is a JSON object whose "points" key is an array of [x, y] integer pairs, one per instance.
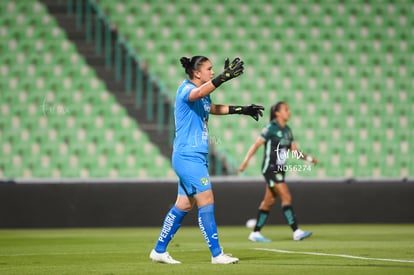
{"points": [[87, 93], [87, 87]]}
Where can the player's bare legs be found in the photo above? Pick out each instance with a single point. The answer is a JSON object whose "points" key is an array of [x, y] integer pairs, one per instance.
{"points": [[279, 190], [282, 190], [204, 198]]}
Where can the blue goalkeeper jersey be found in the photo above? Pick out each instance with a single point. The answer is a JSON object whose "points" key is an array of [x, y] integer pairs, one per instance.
{"points": [[191, 121]]}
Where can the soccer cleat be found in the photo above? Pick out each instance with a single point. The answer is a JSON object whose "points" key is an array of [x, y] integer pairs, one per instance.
{"points": [[257, 237], [162, 258], [224, 259], [299, 234]]}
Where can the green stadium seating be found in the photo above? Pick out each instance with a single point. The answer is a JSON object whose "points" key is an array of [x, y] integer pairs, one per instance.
{"points": [[57, 118], [342, 66]]}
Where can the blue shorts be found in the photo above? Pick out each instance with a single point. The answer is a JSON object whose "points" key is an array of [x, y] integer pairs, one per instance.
{"points": [[192, 172]]}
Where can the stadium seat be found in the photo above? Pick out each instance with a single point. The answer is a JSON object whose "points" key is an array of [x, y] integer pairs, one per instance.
{"points": [[58, 119], [344, 70]]}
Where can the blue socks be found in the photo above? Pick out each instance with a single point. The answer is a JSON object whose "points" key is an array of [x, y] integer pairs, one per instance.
{"points": [[206, 221], [208, 228], [172, 223]]}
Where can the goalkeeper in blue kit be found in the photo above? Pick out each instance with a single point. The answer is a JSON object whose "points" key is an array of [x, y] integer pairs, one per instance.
{"points": [[278, 140], [190, 153]]}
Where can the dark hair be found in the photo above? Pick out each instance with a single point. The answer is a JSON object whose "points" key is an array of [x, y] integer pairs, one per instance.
{"points": [[275, 108], [192, 64]]}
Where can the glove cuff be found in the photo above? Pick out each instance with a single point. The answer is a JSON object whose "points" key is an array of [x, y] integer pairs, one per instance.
{"points": [[217, 81], [235, 109]]}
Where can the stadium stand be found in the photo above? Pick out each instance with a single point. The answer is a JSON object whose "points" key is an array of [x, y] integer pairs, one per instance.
{"points": [[344, 68], [57, 118]]}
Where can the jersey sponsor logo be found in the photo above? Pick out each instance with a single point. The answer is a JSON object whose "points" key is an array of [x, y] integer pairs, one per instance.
{"points": [[168, 224], [204, 233], [206, 105]]}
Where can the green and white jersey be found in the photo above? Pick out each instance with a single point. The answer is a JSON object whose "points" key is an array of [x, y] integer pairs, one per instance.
{"points": [[278, 141]]}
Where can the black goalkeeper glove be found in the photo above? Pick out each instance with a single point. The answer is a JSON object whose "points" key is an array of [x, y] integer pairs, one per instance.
{"points": [[252, 110], [231, 70]]}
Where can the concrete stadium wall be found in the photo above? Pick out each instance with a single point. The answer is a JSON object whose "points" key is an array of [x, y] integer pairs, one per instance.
{"points": [[128, 204]]}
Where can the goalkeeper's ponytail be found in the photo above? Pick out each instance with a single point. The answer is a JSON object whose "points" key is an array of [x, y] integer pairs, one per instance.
{"points": [[192, 64]]}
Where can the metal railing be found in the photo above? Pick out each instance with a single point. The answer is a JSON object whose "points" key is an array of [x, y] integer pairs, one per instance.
{"points": [[121, 57]]}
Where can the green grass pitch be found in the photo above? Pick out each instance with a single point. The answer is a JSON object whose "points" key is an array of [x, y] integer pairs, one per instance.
{"points": [[333, 249]]}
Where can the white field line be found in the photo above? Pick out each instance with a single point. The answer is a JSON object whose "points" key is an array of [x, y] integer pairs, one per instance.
{"points": [[334, 255], [262, 249], [80, 253]]}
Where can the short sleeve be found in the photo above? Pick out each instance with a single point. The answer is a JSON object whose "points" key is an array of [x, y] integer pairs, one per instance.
{"points": [[185, 92], [265, 133]]}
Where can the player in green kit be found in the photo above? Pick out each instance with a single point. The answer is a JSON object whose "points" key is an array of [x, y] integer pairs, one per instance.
{"points": [[279, 146]]}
